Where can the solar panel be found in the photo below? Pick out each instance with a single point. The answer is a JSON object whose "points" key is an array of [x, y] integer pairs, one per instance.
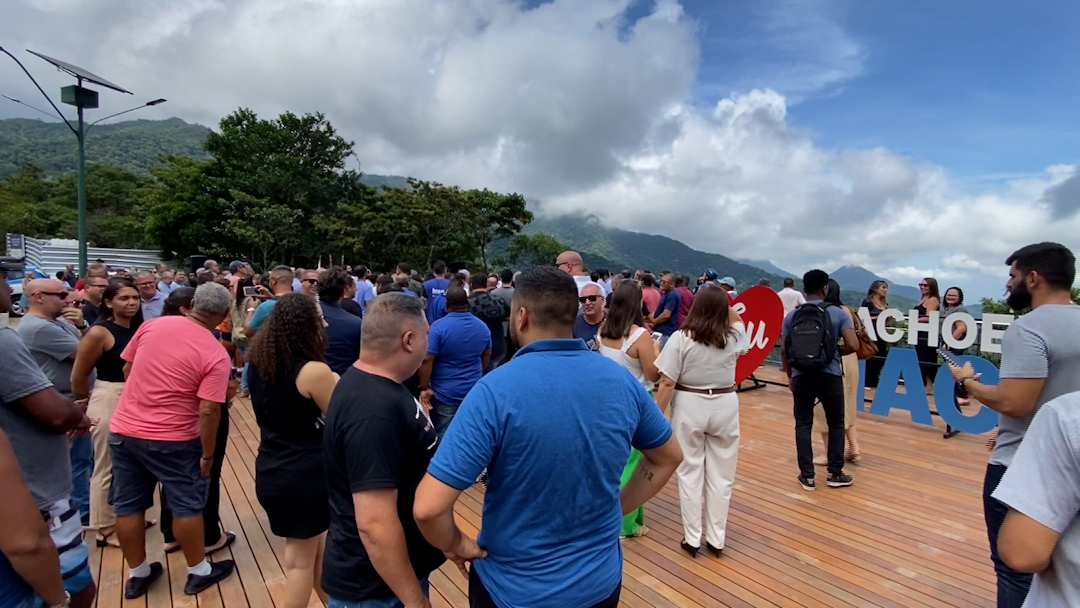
{"points": [[78, 72]]}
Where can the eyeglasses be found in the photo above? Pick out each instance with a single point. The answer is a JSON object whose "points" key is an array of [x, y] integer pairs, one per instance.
{"points": [[584, 299], [311, 281]]}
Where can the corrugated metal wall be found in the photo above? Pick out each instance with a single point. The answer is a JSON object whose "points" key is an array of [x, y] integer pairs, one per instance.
{"points": [[55, 254]]}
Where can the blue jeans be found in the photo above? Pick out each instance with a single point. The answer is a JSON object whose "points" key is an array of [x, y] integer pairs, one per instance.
{"points": [[82, 466], [1012, 586], [441, 415], [392, 602], [244, 374]]}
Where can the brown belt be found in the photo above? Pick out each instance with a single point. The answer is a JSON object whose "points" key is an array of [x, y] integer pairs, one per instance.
{"points": [[705, 391]]}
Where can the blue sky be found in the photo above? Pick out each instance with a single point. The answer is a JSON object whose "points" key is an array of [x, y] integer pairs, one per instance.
{"points": [[982, 87]]}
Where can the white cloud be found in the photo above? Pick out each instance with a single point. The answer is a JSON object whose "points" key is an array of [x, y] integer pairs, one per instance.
{"points": [[571, 104], [915, 274]]}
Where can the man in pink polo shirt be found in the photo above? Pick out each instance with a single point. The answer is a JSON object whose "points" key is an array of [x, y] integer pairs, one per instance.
{"points": [[164, 430]]}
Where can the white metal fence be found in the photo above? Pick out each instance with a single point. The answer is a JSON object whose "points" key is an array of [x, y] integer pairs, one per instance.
{"points": [[53, 255]]}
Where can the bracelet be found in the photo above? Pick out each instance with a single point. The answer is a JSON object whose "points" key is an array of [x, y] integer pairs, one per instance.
{"points": [[65, 604], [205, 458]]}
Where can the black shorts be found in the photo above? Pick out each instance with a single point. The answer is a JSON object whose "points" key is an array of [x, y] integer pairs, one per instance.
{"points": [[139, 464]]}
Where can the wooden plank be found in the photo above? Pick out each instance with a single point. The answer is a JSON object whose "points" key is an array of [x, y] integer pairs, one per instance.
{"points": [[908, 534]]}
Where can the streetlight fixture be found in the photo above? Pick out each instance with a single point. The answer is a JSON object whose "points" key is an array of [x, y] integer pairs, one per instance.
{"points": [[82, 98]]}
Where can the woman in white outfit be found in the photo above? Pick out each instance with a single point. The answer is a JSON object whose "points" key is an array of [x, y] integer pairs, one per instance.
{"points": [[697, 377], [623, 338]]}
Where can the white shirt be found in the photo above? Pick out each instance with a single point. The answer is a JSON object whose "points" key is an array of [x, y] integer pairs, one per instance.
{"points": [[791, 299]]}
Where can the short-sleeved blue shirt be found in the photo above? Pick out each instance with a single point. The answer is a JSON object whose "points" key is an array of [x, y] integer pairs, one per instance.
{"points": [[435, 290], [457, 341], [261, 312], [554, 449], [840, 321], [669, 300]]}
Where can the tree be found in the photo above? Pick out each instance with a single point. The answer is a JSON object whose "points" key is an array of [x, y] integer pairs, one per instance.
{"points": [[291, 162], [493, 216], [534, 249], [261, 227]]}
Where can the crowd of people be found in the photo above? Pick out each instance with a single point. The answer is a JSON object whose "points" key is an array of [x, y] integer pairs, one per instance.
{"points": [[380, 399]]}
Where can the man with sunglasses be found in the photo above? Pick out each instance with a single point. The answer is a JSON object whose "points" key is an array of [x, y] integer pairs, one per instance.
{"points": [[591, 315], [279, 283]]}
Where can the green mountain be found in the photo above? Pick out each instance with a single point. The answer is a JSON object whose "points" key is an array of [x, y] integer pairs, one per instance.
{"points": [[620, 249], [135, 145], [615, 249]]}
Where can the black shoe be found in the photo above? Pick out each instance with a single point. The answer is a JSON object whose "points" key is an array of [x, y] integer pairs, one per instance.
{"points": [[692, 550], [715, 552], [136, 587], [807, 483], [840, 481], [218, 572]]}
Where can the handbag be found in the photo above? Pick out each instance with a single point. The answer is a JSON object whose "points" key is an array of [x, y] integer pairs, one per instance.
{"points": [[866, 348]]}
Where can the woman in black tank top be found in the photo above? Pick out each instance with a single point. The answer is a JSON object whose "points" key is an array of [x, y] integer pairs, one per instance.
{"points": [[99, 352], [291, 385]]}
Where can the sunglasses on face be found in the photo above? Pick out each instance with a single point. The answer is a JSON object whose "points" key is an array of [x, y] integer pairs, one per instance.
{"points": [[923, 285], [584, 299], [311, 281], [58, 294]]}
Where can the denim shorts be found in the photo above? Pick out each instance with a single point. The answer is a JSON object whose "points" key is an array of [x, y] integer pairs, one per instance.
{"points": [[391, 602], [139, 464]]}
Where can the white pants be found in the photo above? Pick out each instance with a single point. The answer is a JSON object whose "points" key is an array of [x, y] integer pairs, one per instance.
{"points": [[707, 428]]}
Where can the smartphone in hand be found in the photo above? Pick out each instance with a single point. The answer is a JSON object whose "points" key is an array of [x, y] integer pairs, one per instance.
{"points": [[251, 291]]}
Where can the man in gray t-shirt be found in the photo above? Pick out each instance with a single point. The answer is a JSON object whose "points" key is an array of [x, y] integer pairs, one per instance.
{"points": [[1041, 533], [1040, 360], [52, 343], [42, 451]]}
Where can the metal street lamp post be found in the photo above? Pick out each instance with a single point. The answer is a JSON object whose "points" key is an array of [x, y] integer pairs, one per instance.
{"points": [[81, 98]]}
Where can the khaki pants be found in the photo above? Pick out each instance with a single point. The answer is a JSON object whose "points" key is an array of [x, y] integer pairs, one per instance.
{"points": [[707, 428], [103, 400]]}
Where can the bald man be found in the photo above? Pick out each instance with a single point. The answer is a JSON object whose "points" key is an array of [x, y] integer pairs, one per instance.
{"points": [[570, 262], [591, 315]]}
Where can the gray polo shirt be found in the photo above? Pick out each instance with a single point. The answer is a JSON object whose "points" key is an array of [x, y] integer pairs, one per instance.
{"points": [[1043, 483], [42, 453], [1044, 343]]}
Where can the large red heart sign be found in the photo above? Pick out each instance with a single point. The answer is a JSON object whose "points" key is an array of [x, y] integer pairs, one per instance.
{"points": [[763, 313]]}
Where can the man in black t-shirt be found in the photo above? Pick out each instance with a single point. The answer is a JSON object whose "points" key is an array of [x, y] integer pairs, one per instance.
{"points": [[377, 444], [493, 311]]}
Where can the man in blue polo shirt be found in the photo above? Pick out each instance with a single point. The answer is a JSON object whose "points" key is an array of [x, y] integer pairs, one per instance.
{"points": [[554, 451], [665, 319], [459, 350]]}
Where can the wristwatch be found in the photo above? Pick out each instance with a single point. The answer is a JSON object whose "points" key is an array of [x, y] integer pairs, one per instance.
{"points": [[65, 604]]}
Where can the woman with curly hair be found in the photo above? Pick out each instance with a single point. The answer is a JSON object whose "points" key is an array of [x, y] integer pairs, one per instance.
{"points": [[291, 385]]}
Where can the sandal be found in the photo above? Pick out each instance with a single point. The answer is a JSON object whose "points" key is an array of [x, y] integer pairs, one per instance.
{"points": [[853, 457], [228, 539], [103, 540], [641, 531]]}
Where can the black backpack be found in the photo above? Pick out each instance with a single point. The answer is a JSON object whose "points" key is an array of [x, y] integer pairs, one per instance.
{"points": [[810, 342]]}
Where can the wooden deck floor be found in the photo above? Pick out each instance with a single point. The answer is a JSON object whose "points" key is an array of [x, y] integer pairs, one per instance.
{"points": [[909, 533]]}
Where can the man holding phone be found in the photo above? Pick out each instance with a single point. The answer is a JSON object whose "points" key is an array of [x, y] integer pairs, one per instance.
{"points": [[280, 282]]}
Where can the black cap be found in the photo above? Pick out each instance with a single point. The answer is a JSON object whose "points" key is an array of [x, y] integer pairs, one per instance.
{"points": [[10, 264]]}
